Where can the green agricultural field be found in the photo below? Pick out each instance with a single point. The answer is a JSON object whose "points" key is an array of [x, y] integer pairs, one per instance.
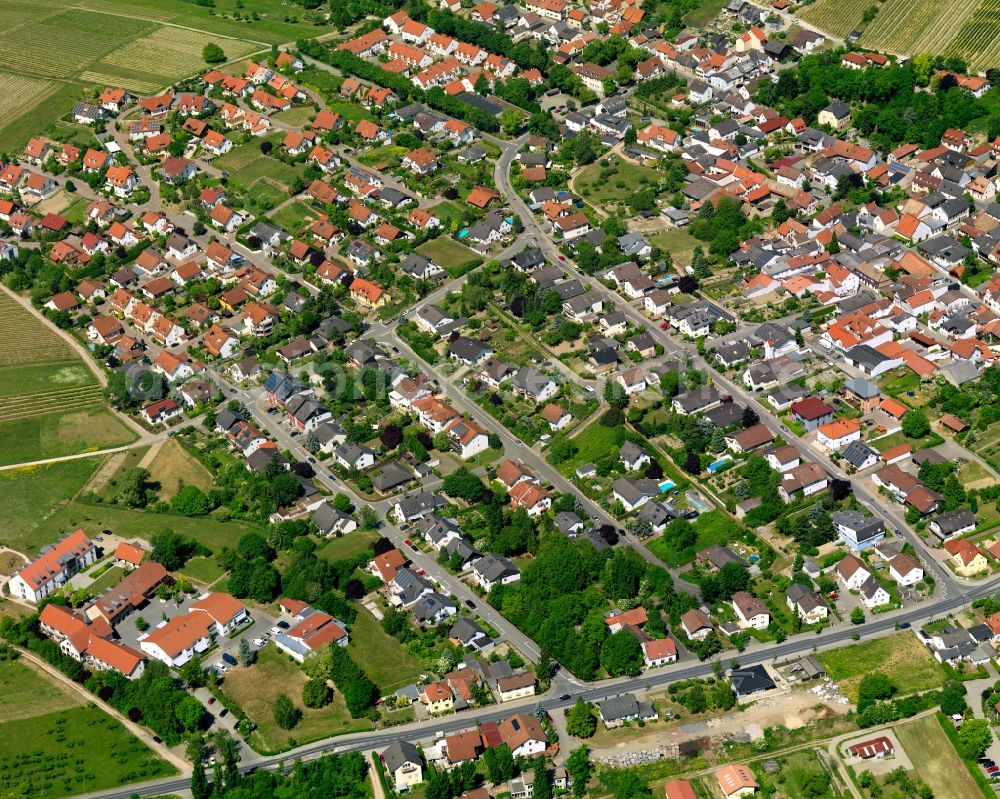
{"points": [[29, 496], [68, 432], [26, 691], [72, 751], [901, 657], [448, 253], [15, 380], [52, 404], [935, 759], [255, 688], [52, 52]]}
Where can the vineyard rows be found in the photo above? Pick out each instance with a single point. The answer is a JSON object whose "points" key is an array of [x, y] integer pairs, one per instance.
{"points": [[22, 93], [837, 17], [979, 39], [170, 53], [25, 339], [60, 400], [64, 43], [967, 28]]}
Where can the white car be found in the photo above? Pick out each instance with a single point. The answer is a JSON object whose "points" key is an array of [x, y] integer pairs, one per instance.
{"points": [[274, 631], [222, 668], [259, 642]]}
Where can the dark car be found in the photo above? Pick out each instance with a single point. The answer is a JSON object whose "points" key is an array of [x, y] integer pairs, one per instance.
{"points": [[565, 698], [211, 700], [223, 713], [904, 625], [470, 603], [229, 659], [282, 624]]}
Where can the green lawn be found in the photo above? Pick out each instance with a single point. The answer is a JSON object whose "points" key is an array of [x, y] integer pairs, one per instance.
{"points": [[715, 529], [26, 692], [255, 688], [613, 180], [109, 579], [29, 496], [68, 433], [347, 546], [72, 751], [901, 657], [93, 518], [381, 656], [293, 217], [932, 439], [594, 442], [448, 253], [297, 117], [77, 211], [270, 168], [202, 570], [679, 243]]}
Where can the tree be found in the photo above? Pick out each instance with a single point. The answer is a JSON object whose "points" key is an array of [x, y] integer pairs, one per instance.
{"points": [[975, 737], [213, 54], [315, 693], [581, 721], [857, 616], [915, 424], [542, 787], [463, 484], [200, 788], [190, 713], [192, 673], [750, 417], [874, 687], [834, 246], [247, 653], [615, 395], [510, 120], [169, 550], [286, 715], [621, 654], [579, 768], [342, 502], [953, 699], [692, 463]]}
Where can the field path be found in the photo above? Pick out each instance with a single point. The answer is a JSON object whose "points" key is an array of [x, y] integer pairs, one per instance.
{"points": [[151, 454], [174, 759], [144, 441]]}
